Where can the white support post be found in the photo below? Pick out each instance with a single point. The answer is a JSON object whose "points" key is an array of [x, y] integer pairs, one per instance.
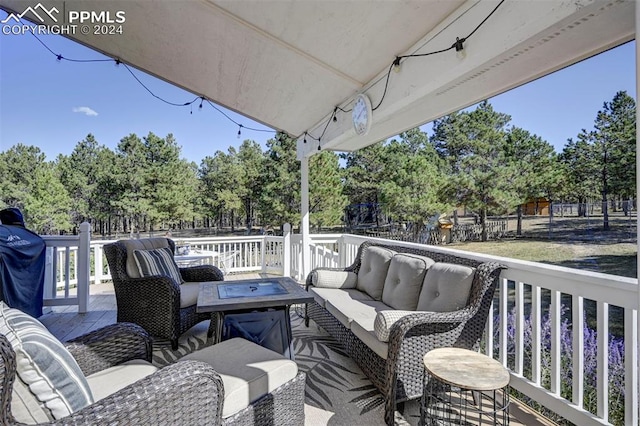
{"points": [[286, 257], [84, 271], [304, 210]]}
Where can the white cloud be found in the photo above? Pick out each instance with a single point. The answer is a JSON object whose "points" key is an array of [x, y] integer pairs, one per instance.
{"points": [[85, 111]]}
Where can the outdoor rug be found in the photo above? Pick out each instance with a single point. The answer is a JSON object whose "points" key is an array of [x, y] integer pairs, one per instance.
{"points": [[337, 392]]}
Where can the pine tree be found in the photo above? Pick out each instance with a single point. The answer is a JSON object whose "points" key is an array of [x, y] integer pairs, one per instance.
{"points": [[481, 177]]}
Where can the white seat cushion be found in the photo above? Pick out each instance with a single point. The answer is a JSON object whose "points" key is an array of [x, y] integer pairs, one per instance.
{"points": [[348, 310], [248, 371], [446, 287], [373, 270], [189, 294], [110, 380], [404, 280], [321, 295], [368, 337]]}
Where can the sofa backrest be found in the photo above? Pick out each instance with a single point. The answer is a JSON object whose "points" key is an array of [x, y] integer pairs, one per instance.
{"points": [[483, 284]]}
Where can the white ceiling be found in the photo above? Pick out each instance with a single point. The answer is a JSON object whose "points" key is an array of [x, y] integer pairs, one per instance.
{"points": [[289, 63]]}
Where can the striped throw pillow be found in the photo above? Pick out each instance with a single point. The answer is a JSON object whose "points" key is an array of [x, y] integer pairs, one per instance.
{"points": [[44, 364], [153, 263]]}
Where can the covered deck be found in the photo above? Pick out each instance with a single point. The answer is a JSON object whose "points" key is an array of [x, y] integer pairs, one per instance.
{"points": [[299, 67], [65, 322], [533, 304]]}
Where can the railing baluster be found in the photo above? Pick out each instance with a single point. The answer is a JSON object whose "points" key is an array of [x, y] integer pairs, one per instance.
{"points": [[554, 312], [67, 271], [631, 367], [504, 293], [577, 328], [602, 378], [536, 334], [519, 332]]}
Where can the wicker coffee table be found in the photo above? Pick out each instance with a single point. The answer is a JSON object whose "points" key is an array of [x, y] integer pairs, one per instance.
{"points": [[255, 309]]}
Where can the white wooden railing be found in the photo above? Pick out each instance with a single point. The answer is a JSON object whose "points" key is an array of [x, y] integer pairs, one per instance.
{"points": [[522, 285], [66, 280], [529, 287]]}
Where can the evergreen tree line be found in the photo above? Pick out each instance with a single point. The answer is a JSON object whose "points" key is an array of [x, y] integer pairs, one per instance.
{"points": [[474, 158]]}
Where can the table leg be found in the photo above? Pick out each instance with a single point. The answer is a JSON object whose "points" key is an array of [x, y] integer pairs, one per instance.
{"points": [[289, 342], [215, 327]]}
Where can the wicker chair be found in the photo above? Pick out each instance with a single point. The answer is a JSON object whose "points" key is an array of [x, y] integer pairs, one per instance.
{"points": [[187, 392], [400, 377], [154, 302], [151, 400]]}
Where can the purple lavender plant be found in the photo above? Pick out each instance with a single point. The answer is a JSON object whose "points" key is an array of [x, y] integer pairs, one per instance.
{"points": [[616, 361]]}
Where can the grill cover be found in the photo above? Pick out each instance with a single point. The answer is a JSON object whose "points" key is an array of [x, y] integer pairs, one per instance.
{"points": [[22, 263]]}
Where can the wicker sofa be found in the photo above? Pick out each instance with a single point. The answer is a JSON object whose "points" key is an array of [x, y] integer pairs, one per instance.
{"points": [[225, 389], [414, 298]]}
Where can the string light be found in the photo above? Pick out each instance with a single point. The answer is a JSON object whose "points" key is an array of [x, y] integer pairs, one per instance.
{"points": [[395, 66], [459, 46], [118, 61]]}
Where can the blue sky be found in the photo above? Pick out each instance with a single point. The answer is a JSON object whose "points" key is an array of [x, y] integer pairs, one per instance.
{"points": [[54, 104]]}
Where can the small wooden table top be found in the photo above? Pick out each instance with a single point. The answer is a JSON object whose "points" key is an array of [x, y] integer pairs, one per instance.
{"points": [[466, 369], [231, 296]]}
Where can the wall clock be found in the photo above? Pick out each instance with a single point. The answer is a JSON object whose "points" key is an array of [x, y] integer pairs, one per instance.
{"points": [[361, 114]]}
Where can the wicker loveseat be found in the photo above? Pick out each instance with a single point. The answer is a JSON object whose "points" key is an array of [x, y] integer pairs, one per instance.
{"points": [[126, 389], [361, 316]]}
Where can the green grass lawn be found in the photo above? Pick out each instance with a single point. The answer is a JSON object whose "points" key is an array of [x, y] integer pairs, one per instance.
{"points": [[612, 258]]}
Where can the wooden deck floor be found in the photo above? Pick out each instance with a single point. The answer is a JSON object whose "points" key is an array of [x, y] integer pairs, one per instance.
{"points": [[66, 323]]}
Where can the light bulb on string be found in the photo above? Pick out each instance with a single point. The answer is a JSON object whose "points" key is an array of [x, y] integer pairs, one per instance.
{"points": [[239, 130], [459, 46], [201, 101], [396, 64], [305, 137]]}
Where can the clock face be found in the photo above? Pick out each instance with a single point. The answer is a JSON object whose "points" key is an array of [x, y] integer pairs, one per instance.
{"points": [[361, 115]]}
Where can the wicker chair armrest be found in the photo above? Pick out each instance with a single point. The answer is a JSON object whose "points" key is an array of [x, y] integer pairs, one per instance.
{"points": [[159, 291], [202, 273], [109, 346], [308, 282], [187, 392]]}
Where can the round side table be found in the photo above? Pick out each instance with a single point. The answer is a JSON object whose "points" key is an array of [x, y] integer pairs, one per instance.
{"points": [[463, 387]]}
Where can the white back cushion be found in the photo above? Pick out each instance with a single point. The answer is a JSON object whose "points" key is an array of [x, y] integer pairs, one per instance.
{"points": [[143, 244], [404, 280], [373, 270], [446, 287]]}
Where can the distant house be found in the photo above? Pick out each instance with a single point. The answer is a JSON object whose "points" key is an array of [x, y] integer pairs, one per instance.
{"points": [[536, 207]]}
